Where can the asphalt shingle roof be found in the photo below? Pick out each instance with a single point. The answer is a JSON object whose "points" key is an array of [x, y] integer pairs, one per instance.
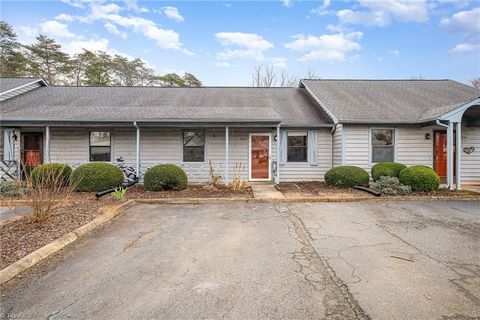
{"points": [[12, 83], [390, 100], [291, 106]]}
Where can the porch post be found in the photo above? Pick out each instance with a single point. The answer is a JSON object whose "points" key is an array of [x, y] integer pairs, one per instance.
{"points": [[450, 155], [226, 154], [47, 144], [137, 166], [459, 155], [277, 177]]}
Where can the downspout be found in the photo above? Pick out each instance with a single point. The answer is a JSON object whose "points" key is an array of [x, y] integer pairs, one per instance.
{"points": [[441, 124], [137, 167], [334, 129]]}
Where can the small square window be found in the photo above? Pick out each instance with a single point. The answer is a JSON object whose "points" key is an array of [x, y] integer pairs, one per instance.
{"points": [[297, 147], [100, 146], [194, 146]]}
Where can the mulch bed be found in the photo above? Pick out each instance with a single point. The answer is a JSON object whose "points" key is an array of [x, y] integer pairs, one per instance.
{"points": [[314, 189], [319, 189], [21, 237], [193, 191]]}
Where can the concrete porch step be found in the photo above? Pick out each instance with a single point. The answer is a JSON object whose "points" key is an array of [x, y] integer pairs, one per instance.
{"points": [[266, 191]]}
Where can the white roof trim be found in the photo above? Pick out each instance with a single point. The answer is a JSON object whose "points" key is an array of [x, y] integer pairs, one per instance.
{"points": [[456, 114], [24, 85]]}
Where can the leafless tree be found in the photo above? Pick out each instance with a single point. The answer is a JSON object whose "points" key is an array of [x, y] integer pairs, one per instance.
{"points": [[311, 74], [263, 76], [266, 76], [475, 83], [286, 80]]}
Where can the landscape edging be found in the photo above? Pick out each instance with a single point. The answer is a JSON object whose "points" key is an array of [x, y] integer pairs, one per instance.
{"points": [[44, 252]]}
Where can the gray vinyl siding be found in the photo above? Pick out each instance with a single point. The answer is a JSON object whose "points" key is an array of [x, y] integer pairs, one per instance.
{"points": [[303, 171], [69, 145], [411, 146], [471, 162], [17, 92], [164, 145], [337, 146], [356, 146]]}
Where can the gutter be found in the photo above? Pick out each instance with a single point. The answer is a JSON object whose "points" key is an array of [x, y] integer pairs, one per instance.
{"points": [[23, 86], [441, 124]]}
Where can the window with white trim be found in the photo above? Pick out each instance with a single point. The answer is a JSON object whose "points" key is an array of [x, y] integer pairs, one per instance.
{"points": [[100, 146], [193, 146], [297, 147], [383, 145]]}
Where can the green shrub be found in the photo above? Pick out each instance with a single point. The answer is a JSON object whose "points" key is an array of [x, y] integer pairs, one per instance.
{"points": [[97, 176], [420, 178], [391, 186], [165, 176], [10, 189], [51, 173], [346, 177], [386, 169]]}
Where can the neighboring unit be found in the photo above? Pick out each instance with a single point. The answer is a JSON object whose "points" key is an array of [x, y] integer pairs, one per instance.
{"points": [[320, 124]]}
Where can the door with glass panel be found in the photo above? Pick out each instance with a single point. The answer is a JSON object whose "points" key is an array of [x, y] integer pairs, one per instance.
{"points": [[260, 146], [32, 150]]}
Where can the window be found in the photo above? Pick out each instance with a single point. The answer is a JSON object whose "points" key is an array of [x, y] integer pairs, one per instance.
{"points": [[297, 147], [100, 146], [193, 146], [383, 145]]}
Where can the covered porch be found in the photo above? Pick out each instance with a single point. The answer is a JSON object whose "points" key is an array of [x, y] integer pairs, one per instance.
{"points": [[229, 150], [461, 153]]}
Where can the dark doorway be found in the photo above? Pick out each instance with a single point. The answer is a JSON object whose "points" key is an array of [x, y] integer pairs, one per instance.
{"points": [[32, 150]]}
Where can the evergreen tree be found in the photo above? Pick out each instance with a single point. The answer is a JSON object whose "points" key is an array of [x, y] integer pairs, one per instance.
{"points": [[47, 60], [12, 59], [191, 81]]}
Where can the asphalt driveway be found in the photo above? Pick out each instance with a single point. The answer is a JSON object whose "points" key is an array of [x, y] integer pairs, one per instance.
{"points": [[397, 260]]}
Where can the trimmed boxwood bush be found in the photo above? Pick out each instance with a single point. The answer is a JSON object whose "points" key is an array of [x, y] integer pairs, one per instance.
{"points": [[165, 176], [97, 176], [346, 177], [420, 178], [50, 172], [387, 169]]}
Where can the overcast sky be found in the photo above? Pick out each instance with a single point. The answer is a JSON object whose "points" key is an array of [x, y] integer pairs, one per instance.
{"points": [[222, 41]]}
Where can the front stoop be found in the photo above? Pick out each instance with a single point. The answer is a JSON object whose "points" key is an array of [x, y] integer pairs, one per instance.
{"points": [[266, 191]]}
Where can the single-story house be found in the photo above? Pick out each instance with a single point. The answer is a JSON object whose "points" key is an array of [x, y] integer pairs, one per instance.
{"points": [[256, 134]]}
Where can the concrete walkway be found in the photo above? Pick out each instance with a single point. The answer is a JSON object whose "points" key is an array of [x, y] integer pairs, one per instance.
{"points": [[8, 215], [266, 191]]}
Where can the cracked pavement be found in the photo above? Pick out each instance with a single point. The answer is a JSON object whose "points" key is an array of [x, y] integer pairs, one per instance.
{"points": [[378, 260]]}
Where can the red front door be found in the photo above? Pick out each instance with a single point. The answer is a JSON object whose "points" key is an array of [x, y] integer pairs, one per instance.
{"points": [[440, 153]]}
